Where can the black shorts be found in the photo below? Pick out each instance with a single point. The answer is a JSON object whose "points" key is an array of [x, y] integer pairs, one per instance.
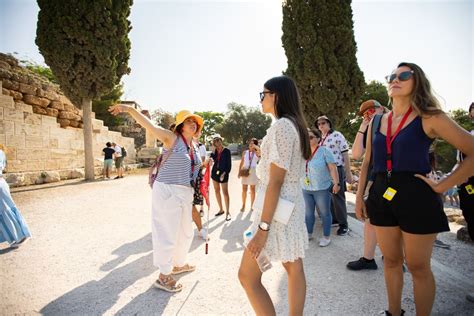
{"points": [[415, 208]]}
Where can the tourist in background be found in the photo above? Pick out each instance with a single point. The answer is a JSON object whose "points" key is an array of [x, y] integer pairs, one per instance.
{"points": [[337, 144], [222, 164], [108, 160], [118, 160], [319, 183], [247, 172]]}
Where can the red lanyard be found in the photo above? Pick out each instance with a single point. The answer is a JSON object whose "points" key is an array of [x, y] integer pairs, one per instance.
{"points": [[219, 153], [312, 155], [323, 140], [389, 139], [191, 154]]}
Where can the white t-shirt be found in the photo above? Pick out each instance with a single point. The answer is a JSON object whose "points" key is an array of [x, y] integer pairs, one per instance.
{"points": [[202, 151], [118, 151]]}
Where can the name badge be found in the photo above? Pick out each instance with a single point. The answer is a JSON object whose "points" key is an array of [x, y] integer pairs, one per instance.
{"points": [[306, 181], [470, 189], [389, 194], [217, 172]]}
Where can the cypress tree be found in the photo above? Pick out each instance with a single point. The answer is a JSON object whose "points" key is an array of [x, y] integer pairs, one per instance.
{"points": [[319, 43], [86, 45]]}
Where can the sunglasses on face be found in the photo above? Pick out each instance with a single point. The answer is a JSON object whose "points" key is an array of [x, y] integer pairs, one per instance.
{"points": [[322, 123], [313, 137], [262, 94], [403, 76]]}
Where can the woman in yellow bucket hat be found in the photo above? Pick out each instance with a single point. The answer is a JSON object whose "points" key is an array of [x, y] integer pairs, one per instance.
{"points": [[172, 195]]}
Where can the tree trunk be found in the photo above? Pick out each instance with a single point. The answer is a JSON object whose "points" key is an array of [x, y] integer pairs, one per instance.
{"points": [[88, 144]]}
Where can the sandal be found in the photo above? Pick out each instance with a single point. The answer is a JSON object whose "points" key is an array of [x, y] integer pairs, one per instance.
{"points": [[183, 269], [220, 213], [168, 284], [227, 217], [242, 209]]}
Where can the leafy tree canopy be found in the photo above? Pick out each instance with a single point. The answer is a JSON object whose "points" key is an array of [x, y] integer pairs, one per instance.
{"points": [[100, 107], [162, 118], [211, 120], [242, 123], [86, 44]]}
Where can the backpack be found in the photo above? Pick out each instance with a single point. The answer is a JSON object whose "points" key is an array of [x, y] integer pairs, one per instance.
{"points": [[124, 152]]}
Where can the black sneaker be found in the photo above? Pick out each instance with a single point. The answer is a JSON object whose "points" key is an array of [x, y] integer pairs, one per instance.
{"points": [[362, 264], [342, 231]]}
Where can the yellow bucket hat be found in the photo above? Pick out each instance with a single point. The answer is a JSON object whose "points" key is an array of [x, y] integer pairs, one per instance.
{"points": [[184, 114]]}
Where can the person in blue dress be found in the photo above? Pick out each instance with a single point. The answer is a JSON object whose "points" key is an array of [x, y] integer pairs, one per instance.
{"points": [[319, 181], [13, 228]]}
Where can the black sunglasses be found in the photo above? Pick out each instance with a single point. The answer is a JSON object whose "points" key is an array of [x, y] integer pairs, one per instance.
{"points": [[262, 94], [403, 76]]}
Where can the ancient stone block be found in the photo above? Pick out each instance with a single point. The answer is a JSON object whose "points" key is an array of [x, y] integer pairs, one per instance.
{"points": [[64, 143], [7, 127], [64, 122], [34, 142], [49, 121], [5, 65], [10, 85], [51, 164], [51, 95], [23, 107], [67, 115], [16, 140], [26, 88], [5, 91], [3, 139], [32, 153], [16, 165], [39, 110], [34, 100], [69, 107], [17, 96], [27, 129], [53, 143], [56, 105], [62, 153], [76, 173], [15, 179], [52, 112], [6, 102], [33, 119], [34, 165], [50, 176], [12, 115], [1, 113], [74, 124]]}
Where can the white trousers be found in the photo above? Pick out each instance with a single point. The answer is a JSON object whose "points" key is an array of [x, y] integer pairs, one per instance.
{"points": [[172, 230]]}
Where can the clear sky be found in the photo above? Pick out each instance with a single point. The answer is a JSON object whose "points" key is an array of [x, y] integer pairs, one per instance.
{"points": [[202, 55]]}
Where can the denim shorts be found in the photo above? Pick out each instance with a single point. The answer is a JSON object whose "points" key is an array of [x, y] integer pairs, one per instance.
{"points": [[415, 208]]}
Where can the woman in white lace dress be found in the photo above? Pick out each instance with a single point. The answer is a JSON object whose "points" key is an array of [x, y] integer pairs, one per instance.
{"points": [[283, 153]]}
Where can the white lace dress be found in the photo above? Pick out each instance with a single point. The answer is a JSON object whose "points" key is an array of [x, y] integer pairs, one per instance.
{"points": [[281, 146]]}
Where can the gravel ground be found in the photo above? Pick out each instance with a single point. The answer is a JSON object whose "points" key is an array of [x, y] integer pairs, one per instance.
{"points": [[91, 254]]}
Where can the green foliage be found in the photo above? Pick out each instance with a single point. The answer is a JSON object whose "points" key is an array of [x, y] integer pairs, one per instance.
{"points": [[86, 44], [445, 153], [101, 106], [375, 90], [319, 43], [38, 69], [242, 123], [211, 120], [162, 118]]}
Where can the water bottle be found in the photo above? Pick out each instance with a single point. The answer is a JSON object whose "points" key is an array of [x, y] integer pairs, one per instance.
{"points": [[262, 260]]}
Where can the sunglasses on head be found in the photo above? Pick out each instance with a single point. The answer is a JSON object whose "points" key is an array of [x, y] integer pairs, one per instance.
{"points": [[262, 94], [369, 113], [403, 76]]}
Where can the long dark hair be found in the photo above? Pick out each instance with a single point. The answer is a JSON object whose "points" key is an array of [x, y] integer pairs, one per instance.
{"points": [[422, 98], [288, 104]]}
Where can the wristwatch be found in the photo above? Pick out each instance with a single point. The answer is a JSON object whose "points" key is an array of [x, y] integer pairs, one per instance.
{"points": [[264, 226]]}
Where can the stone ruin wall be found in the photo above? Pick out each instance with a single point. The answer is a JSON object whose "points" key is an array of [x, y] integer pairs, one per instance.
{"points": [[42, 129]]}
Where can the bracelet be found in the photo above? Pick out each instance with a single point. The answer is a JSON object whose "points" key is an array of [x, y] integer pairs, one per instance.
{"points": [[360, 132]]}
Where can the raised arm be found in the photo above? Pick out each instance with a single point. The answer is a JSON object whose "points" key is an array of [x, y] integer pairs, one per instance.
{"points": [[358, 148], [166, 136]]}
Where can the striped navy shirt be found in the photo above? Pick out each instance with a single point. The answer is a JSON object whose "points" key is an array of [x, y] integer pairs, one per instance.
{"points": [[177, 169]]}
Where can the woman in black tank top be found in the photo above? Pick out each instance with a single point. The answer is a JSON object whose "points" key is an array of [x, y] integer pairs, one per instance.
{"points": [[404, 205]]}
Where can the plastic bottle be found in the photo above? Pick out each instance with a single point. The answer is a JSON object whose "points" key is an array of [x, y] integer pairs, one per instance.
{"points": [[262, 260]]}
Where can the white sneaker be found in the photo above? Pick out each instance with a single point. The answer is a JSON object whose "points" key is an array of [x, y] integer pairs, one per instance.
{"points": [[323, 242], [203, 235]]}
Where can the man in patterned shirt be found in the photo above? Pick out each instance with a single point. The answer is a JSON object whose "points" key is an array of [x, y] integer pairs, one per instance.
{"points": [[337, 144]]}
